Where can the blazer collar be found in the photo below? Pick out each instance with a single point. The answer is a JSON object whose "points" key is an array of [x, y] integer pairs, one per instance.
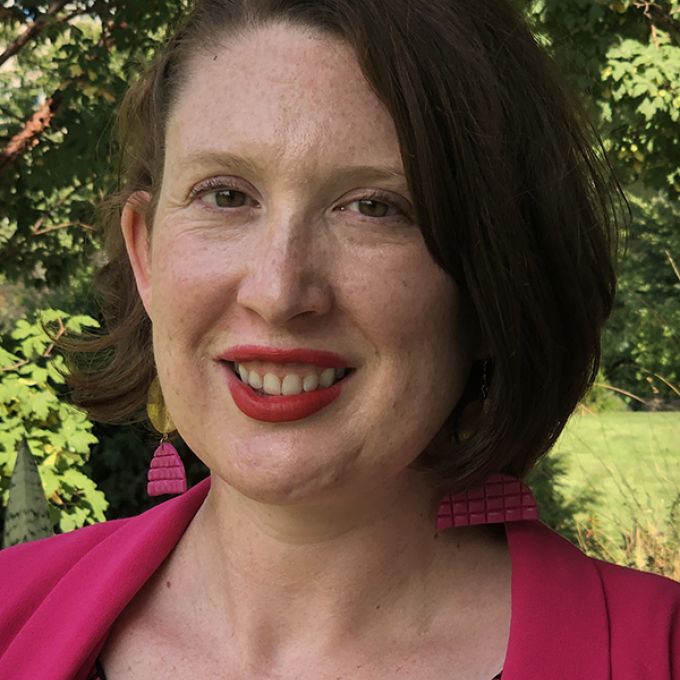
{"points": [[559, 623]]}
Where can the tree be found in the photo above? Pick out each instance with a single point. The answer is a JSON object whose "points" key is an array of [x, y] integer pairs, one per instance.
{"points": [[64, 65], [624, 55]]}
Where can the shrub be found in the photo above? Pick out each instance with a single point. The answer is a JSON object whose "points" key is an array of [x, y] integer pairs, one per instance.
{"points": [[31, 383]]}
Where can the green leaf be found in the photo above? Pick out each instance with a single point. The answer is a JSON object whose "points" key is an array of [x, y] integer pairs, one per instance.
{"points": [[7, 358], [27, 516], [23, 330], [40, 404], [648, 108], [76, 323]]}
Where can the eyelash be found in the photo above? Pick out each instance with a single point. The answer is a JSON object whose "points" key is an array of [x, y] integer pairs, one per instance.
{"points": [[380, 197], [215, 185]]}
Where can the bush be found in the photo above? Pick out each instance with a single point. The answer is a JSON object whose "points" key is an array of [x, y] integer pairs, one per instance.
{"points": [[31, 384], [643, 545]]}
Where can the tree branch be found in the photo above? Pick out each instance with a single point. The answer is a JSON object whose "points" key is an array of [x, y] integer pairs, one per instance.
{"points": [[13, 367], [33, 29], [620, 391], [62, 329], [29, 135], [37, 229], [672, 261], [659, 15]]}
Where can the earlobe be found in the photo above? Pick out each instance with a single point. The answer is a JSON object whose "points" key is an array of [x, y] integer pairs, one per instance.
{"points": [[137, 243]]}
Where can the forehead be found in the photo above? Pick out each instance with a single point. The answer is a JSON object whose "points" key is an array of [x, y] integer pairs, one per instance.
{"points": [[290, 93]]}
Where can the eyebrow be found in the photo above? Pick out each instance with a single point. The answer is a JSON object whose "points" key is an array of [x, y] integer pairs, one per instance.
{"points": [[233, 162], [226, 161]]}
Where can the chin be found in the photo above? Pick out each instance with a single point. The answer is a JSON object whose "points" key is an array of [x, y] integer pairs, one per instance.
{"points": [[286, 478]]}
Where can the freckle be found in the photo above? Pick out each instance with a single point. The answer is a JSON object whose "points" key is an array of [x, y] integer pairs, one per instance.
{"points": [[377, 606], [167, 584]]}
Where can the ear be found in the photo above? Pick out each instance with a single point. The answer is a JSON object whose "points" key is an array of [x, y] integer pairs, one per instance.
{"points": [[138, 243]]}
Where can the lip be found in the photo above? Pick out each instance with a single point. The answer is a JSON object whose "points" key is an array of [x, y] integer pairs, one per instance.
{"points": [[279, 409], [314, 357]]}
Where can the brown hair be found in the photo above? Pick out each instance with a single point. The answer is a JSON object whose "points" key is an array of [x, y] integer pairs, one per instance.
{"points": [[512, 190]]}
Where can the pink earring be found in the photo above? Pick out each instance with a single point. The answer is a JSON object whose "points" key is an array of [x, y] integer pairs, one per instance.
{"points": [[501, 498], [166, 473]]}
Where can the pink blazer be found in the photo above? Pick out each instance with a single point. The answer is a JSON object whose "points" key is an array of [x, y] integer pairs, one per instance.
{"points": [[573, 617]]}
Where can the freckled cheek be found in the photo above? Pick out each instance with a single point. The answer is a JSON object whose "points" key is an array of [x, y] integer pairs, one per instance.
{"points": [[403, 310], [189, 281]]}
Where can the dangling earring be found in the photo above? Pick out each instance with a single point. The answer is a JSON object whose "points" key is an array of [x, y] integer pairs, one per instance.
{"points": [[468, 421], [166, 473]]}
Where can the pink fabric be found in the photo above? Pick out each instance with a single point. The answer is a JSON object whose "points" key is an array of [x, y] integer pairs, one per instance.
{"points": [[573, 618]]}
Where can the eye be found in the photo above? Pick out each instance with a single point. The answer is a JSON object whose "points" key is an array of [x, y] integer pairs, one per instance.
{"points": [[222, 193], [375, 208], [371, 208], [225, 198]]}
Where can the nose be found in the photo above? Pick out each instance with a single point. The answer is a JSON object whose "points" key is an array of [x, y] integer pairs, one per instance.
{"points": [[285, 277]]}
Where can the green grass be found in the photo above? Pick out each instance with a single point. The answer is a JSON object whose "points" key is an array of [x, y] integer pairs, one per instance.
{"points": [[630, 461]]}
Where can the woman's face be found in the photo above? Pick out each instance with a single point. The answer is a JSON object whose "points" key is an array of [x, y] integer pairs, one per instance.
{"points": [[285, 223]]}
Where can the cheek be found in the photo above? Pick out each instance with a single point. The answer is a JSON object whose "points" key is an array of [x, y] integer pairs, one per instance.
{"points": [[190, 283], [406, 301]]}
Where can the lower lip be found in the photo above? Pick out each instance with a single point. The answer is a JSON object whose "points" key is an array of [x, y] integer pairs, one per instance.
{"points": [[280, 409]]}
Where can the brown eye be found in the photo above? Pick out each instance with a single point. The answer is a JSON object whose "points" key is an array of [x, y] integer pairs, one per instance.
{"points": [[229, 198], [371, 208]]}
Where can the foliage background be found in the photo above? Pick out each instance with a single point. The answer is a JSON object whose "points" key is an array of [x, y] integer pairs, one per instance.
{"points": [[63, 67]]}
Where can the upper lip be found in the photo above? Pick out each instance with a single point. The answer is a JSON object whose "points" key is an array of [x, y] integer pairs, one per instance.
{"points": [[279, 355]]}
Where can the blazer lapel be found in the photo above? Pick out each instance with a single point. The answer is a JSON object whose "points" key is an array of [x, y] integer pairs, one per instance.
{"points": [[559, 626], [65, 633]]}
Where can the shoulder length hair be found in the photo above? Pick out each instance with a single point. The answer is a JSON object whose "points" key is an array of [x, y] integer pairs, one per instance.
{"points": [[513, 193]]}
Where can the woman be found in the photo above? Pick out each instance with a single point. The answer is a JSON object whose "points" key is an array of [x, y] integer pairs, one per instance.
{"points": [[366, 249]]}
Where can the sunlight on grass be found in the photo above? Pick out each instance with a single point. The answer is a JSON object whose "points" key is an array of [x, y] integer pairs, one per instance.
{"points": [[622, 457], [631, 463]]}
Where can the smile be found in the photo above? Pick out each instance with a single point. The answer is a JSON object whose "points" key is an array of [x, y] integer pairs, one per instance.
{"points": [[274, 385], [290, 383]]}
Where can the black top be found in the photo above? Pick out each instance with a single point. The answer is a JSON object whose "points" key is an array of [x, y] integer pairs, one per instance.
{"points": [[99, 674]]}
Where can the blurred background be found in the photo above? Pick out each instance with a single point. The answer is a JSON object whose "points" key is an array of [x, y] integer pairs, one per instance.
{"points": [[612, 483]]}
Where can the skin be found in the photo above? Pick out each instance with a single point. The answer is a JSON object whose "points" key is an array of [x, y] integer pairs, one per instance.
{"points": [[314, 554]]}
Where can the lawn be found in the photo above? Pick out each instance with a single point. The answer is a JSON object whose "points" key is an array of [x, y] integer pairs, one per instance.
{"points": [[630, 460]]}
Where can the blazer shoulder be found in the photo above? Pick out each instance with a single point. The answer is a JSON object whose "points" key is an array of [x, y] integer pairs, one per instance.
{"points": [[30, 571], [55, 550], [644, 622], [638, 590]]}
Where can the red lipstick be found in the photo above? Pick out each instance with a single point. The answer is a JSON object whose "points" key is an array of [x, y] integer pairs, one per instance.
{"points": [[243, 353], [283, 408]]}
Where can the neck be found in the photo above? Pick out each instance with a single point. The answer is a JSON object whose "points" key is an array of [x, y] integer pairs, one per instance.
{"points": [[281, 579]]}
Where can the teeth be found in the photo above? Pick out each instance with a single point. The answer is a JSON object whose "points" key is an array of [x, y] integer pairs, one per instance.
{"points": [[271, 384], [310, 383], [291, 384], [327, 378]]}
